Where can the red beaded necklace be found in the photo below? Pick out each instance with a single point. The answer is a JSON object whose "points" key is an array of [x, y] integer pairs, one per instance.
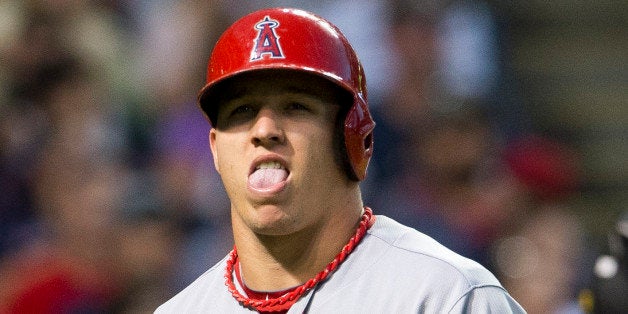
{"points": [[287, 300]]}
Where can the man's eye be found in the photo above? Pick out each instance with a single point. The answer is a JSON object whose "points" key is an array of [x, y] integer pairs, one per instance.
{"points": [[244, 109], [237, 115], [297, 106]]}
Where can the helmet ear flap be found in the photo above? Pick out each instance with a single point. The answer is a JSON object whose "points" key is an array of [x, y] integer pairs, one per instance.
{"points": [[359, 137]]}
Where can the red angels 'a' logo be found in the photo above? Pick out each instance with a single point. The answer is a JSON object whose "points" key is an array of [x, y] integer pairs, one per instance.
{"points": [[267, 42]]}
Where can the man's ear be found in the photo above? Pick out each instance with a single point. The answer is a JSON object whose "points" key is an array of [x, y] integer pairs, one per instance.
{"points": [[212, 146]]}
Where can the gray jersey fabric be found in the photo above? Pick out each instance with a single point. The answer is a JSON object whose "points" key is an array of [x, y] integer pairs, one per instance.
{"points": [[395, 269]]}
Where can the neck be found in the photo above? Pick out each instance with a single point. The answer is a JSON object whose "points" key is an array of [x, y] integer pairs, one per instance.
{"points": [[278, 262]]}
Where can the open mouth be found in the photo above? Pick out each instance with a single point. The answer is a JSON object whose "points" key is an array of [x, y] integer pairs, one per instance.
{"points": [[268, 175]]}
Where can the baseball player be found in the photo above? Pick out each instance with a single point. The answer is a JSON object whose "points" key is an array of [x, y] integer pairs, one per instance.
{"points": [[291, 139]]}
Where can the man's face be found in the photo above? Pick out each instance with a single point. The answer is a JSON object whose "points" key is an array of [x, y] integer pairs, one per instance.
{"points": [[273, 147]]}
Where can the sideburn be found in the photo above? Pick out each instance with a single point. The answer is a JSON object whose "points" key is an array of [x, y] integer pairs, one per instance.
{"points": [[341, 157]]}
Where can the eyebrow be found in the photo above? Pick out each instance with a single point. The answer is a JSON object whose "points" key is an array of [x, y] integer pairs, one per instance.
{"points": [[301, 90], [242, 91], [232, 92]]}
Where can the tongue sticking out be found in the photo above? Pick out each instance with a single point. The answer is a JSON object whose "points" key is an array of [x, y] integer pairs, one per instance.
{"points": [[266, 178]]}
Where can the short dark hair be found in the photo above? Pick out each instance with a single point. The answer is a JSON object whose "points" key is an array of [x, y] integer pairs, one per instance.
{"points": [[345, 100]]}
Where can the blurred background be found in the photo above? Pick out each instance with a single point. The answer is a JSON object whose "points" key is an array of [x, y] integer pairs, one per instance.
{"points": [[502, 131]]}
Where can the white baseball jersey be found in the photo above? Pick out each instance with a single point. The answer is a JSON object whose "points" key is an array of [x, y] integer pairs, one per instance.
{"points": [[394, 269]]}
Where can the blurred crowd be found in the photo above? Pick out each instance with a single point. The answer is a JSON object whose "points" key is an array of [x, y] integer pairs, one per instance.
{"points": [[109, 202]]}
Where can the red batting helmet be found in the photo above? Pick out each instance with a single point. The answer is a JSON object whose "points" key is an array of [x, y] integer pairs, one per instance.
{"points": [[283, 38]]}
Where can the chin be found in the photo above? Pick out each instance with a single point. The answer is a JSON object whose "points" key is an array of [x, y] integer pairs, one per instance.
{"points": [[273, 228], [270, 220]]}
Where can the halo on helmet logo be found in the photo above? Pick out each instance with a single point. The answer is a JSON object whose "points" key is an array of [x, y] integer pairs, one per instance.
{"points": [[267, 41]]}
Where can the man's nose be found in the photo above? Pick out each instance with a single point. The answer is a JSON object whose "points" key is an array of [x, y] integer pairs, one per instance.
{"points": [[267, 129]]}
